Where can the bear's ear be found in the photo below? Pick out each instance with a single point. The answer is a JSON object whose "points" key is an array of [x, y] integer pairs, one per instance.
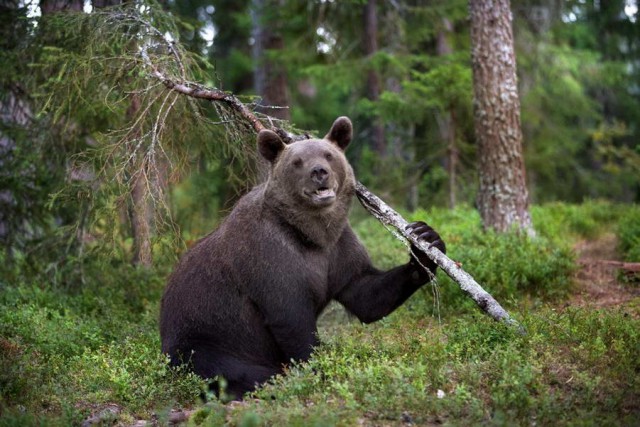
{"points": [[341, 132], [270, 145]]}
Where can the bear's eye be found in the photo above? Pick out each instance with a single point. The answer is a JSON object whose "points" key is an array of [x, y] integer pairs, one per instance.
{"points": [[297, 163], [328, 156]]}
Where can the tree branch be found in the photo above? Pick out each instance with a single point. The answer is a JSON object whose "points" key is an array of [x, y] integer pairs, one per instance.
{"points": [[374, 205], [197, 91], [386, 215]]}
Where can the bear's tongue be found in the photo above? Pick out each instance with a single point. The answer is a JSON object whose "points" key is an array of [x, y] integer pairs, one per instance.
{"points": [[324, 192], [323, 195]]}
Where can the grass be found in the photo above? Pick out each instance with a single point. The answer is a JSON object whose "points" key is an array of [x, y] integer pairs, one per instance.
{"points": [[65, 353]]}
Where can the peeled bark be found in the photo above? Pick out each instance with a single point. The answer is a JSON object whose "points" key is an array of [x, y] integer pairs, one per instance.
{"points": [[503, 197], [386, 215]]}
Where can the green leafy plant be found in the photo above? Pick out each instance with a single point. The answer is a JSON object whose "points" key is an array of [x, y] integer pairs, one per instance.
{"points": [[629, 234]]}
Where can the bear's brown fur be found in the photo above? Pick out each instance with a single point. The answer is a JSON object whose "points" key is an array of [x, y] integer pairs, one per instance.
{"points": [[244, 300]]}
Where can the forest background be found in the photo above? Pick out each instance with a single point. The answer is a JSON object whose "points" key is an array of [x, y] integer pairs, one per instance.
{"points": [[106, 177]]}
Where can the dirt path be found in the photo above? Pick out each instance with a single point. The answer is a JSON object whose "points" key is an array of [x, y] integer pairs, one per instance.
{"points": [[598, 283]]}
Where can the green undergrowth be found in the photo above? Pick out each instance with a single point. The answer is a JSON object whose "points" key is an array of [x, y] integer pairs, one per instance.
{"points": [[508, 266], [572, 367], [66, 352], [629, 234]]}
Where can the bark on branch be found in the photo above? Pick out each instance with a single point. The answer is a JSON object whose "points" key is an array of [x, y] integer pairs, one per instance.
{"points": [[374, 205], [386, 215]]}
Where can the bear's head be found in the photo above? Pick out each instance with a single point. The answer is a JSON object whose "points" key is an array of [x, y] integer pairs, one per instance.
{"points": [[313, 174]]}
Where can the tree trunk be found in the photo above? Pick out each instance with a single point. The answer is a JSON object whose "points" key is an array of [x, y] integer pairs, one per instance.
{"points": [[270, 77], [140, 184], [370, 42], [15, 111], [101, 4], [503, 197], [447, 120], [15, 105], [51, 6], [140, 214], [452, 157]]}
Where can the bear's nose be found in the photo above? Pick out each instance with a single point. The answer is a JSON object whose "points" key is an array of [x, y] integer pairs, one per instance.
{"points": [[319, 175]]}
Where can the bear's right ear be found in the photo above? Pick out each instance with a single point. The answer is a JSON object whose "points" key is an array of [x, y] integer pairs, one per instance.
{"points": [[341, 132], [270, 145]]}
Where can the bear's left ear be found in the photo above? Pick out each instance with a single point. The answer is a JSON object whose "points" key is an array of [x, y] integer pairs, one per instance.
{"points": [[341, 132], [270, 145]]}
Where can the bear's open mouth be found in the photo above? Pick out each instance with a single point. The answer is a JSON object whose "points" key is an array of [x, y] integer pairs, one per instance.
{"points": [[324, 192], [322, 195]]}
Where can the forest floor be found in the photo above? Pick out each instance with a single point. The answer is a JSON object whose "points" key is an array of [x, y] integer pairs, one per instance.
{"points": [[88, 355], [600, 283]]}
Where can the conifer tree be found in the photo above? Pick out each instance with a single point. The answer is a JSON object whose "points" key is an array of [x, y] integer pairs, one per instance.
{"points": [[503, 197]]}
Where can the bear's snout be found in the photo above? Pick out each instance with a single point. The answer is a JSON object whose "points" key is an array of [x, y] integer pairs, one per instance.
{"points": [[319, 175]]}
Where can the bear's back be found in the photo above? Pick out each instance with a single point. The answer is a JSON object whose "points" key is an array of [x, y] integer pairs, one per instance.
{"points": [[205, 297]]}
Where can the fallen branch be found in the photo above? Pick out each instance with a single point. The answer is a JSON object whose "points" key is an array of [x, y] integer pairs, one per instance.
{"points": [[386, 215], [630, 270], [631, 267], [370, 201]]}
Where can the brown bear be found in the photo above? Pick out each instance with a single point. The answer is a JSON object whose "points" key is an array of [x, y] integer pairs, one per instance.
{"points": [[244, 300]]}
